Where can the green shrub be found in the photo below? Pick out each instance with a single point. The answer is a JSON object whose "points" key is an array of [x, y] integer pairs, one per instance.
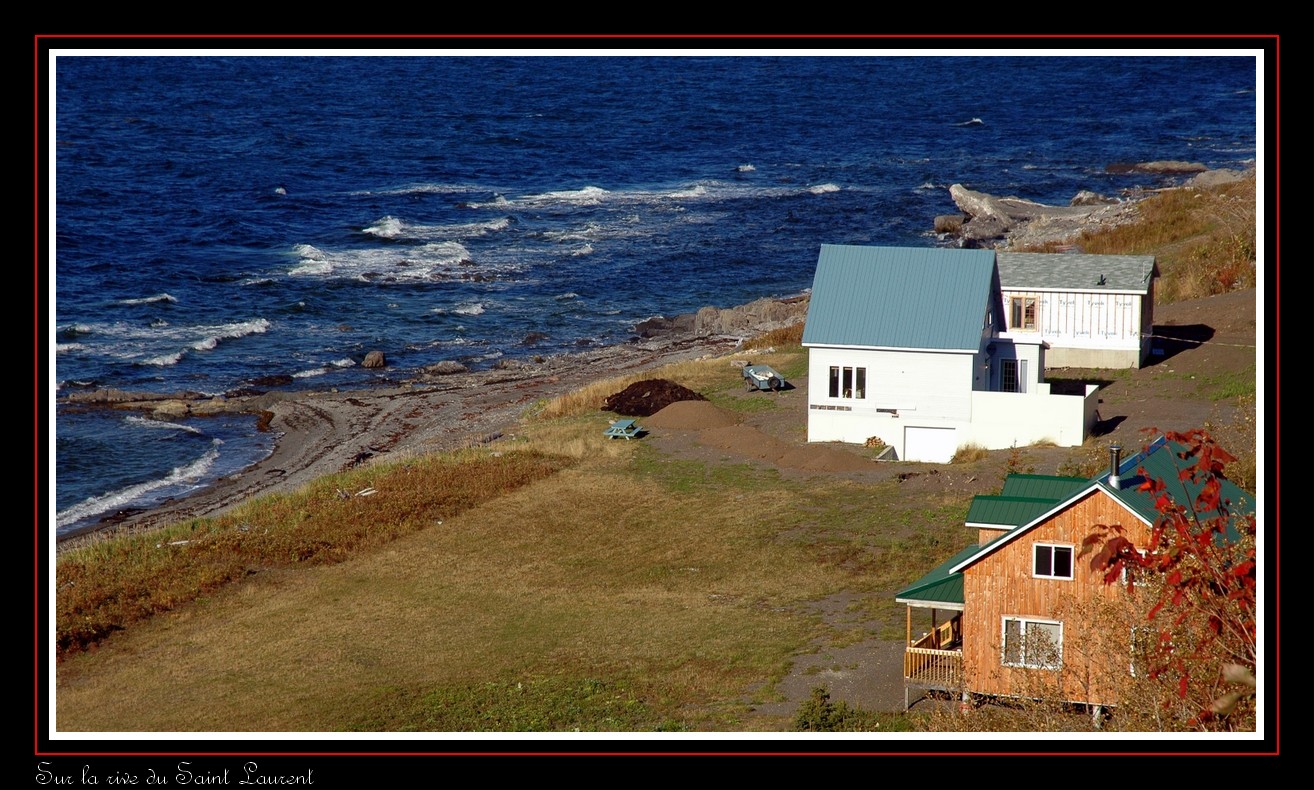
{"points": [[819, 714]]}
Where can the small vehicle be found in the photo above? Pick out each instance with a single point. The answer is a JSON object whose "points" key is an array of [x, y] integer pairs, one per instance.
{"points": [[762, 377]]}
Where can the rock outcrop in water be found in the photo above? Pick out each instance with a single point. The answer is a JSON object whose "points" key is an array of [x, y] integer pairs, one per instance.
{"points": [[1012, 222]]}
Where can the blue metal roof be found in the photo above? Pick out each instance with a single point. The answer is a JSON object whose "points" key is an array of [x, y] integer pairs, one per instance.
{"points": [[900, 297]]}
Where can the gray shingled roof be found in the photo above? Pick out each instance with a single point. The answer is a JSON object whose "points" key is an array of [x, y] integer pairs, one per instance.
{"points": [[899, 297], [1075, 271]]}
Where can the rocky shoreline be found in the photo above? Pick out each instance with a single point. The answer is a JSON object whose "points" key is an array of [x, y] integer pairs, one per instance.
{"points": [[1012, 223], [446, 406], [442, 407]]}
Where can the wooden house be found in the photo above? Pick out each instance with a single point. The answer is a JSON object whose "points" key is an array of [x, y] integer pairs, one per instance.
{"points": [[1013, 613], [1090, 311], [908, 345]]}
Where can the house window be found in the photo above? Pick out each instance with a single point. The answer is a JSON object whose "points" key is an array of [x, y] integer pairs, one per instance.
{"points": [[1032, 643], [1023, 312], [848, 382], [1012, 375], [1052, 562]]}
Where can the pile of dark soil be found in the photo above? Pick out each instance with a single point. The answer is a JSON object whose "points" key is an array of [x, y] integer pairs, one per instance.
{"points": [[647, 397]]}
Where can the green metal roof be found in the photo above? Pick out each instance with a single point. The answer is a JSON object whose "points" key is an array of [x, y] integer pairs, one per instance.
{"points": [[1010, 511], [1160, 461], [899, 297], [939, 586], [1042, 486], [1075, 271]]}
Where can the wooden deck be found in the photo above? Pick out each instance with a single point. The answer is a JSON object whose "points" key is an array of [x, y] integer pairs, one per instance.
{"points": [[929, 668]]}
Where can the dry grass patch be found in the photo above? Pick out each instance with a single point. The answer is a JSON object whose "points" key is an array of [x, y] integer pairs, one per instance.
{"points": [[109, 585], [969, 453], [1203, 238], [590, 580], [787, 336]]}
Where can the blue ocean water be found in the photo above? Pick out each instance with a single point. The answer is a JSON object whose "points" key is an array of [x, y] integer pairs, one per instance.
{"points": [[223, 218]]}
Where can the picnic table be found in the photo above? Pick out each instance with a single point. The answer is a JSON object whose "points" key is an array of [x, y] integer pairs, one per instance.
{"points": [[626, 429]]}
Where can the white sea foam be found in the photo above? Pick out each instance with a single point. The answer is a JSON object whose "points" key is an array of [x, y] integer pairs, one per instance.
{"points": [[389, 228], [498, 201], [394, 228], [821, 189], [183, 475], [588, 195], [146, 422], [469, 308], [60, 348], [926, 185], [746, 168], [386, 264], [310, 266], [345, 362], [229, 331], [567, 295], [164, 360], [74, 329], [416, 189], [257, 281], [587, 249], [149, 299], [305, 374], [696, 191]]}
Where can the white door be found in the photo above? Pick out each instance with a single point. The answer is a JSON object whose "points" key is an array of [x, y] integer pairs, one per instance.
{"points": [[934, 445]]}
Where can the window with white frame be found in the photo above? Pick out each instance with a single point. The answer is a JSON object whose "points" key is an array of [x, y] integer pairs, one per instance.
{"points": [[1032, 643], [846, 382], [1051, 561]]}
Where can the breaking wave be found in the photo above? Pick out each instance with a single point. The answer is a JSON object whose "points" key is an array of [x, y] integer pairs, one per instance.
{"points": [[149, 299], [192, 473]]}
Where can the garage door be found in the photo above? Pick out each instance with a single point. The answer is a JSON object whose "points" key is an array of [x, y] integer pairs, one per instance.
{"points": [[936, 445]]}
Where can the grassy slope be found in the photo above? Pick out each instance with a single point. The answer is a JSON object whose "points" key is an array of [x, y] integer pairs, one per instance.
{"points": [[613, 589], [628, 591]]}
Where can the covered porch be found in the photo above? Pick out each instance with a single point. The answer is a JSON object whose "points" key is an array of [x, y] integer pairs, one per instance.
{"points": [[933, 659]]}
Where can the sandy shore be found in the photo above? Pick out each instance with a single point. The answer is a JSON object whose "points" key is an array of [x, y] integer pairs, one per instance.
{"points": [[322, 432]]}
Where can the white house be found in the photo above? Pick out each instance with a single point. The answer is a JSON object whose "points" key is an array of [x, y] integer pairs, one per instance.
{"points": [[1092, 311], [907, 344]]}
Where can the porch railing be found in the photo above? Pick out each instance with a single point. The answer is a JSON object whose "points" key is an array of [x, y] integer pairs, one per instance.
{"points": [[933, 668]]}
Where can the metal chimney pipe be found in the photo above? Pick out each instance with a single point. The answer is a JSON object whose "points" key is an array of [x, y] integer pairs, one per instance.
{"points": [[1115, 459]]}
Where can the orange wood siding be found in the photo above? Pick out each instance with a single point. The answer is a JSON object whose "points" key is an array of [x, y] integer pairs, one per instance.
{"points": [[1003, 585]]}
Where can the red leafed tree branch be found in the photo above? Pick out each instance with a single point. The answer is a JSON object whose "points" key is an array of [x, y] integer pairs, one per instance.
{"points": [[1198, 570]]}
